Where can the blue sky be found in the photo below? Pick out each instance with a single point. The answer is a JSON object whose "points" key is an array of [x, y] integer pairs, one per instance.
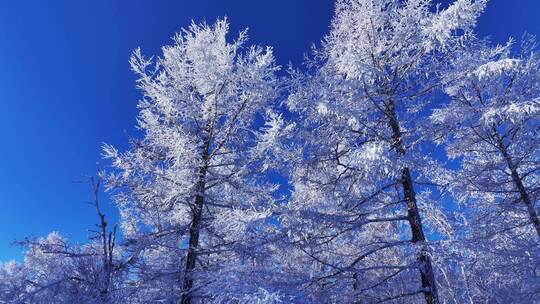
{"points": [[66, 87]]}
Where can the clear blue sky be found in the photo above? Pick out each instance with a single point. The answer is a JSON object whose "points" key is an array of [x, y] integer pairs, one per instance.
{"points": [[66, 87]]}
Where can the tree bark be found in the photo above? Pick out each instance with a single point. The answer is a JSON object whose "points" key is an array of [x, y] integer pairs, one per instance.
{"points": [[533, 216], [413, 215], [194, 229], [518, 183], [107, 243]]}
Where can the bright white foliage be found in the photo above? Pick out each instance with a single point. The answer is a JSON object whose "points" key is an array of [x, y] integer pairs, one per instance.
{"points": [[200, 101], [346, 217], [295, 190], [53, 271], [491, 125]]}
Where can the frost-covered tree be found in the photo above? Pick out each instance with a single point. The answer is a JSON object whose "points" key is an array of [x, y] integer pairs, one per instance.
{"points": [[355, 213], [12, 281], [373, 215], [192, 192], [491, 126], [53, 270], [59, 272]]}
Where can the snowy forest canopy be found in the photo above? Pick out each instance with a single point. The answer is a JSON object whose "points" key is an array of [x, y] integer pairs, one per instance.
{"points": [[400, 164]]}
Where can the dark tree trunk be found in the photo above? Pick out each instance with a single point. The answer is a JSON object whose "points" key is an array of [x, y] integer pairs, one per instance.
{"points": [[533, 216], [107, 243], [194, 229], [518, 183], [413, 215]]}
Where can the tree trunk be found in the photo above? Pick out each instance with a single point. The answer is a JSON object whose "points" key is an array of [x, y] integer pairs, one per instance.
{"points": [[518, 183], [107, 244], [533, 216], [194, 229], [413, 215]]}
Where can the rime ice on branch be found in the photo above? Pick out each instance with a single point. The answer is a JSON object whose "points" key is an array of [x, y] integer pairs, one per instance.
{"points": [[357, 217], [191, 194], [373, 215]]}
